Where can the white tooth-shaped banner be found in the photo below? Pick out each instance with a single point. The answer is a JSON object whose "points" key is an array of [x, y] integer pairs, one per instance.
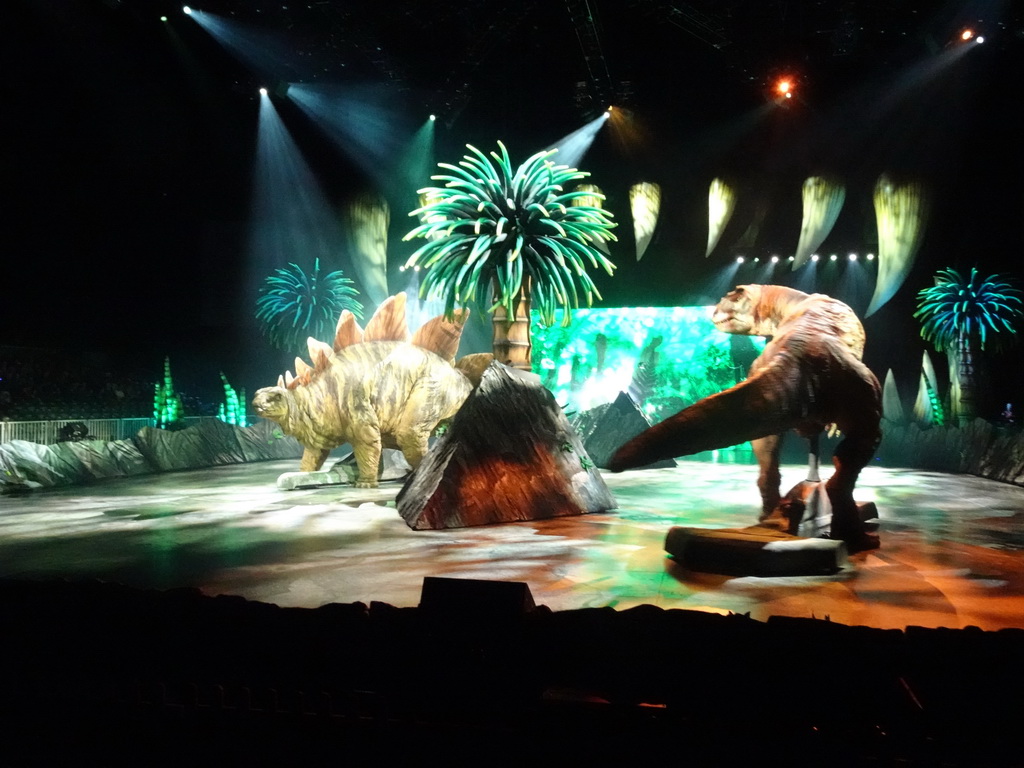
{"points": [[721, 204], [957, 412], [425, 200], [645, 202], [823, 200], [594, 200], [368, 218], [923, 409], [892, 406], [901, 212]]}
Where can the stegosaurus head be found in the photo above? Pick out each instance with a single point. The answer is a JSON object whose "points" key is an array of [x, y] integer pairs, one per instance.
{"points": [[273, 403]]}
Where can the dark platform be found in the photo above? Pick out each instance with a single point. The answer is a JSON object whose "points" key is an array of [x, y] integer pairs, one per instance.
{"points": [[754, 551]]}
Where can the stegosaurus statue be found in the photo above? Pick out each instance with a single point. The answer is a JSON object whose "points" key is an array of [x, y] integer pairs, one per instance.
{"points": [[374, 388], [808, 377]]}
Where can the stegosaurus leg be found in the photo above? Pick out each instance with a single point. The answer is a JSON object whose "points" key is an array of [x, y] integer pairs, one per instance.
{"points": [[366, 445], [313, 459], [425, 408], [413, 444]]}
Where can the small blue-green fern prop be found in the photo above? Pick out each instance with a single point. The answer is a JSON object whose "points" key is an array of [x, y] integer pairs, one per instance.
{"points": [[492, 226], [294, 305], [957, 310]]}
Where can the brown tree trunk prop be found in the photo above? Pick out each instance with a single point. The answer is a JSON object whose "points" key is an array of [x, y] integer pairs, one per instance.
{"points": [[512, 344]]}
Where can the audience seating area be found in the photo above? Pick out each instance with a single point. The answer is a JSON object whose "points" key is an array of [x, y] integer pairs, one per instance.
{"points": [[110, 674], [42, 390], [47, 384]]}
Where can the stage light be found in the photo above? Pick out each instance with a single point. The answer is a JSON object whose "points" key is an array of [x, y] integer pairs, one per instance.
{"points": [[756, 259], [792, 258], [967, 34], [784, 88], [775, 259], [814, 257], [187, 10], [871, 257], [833, 257], [163, 18], [739, 259], [263, 91], [980, 39], [433, 118], [853, 257]]}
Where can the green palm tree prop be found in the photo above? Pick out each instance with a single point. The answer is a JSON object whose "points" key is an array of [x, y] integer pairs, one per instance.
{"points": [[960, 315], [515, 234]]}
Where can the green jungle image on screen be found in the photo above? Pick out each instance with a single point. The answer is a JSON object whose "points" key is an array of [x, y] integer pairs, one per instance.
{"points": [[666, 358]]}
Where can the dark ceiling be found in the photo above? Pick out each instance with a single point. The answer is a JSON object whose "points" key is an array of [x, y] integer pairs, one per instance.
{"points": [[133, 138], [476, 56], [446, 50]]}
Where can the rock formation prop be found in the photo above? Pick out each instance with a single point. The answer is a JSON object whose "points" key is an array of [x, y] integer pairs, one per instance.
{"points": [[808, 377], [211, 443], [26, 466], [509, 455], [374, 388], [604, 428], [977, 448]]}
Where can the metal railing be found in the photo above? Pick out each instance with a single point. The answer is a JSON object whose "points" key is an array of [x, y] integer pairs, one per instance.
{"points": [[48, 432]]}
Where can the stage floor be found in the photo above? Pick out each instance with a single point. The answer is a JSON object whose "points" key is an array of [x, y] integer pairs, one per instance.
{"points": [[952, 545]]}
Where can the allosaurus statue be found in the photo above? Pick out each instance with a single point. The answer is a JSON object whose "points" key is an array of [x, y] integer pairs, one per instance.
{"points": [[374, 388], [808, 377]]}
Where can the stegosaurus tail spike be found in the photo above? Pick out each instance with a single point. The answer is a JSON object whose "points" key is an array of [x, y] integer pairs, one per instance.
{"points": [[442, 336], [388, 322], [348, 332]]}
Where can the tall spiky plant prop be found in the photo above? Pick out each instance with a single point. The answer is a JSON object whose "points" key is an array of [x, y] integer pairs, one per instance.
{"points": [[959, 315], [232, 410], [295, 304], [516, 234], [167, 407]]}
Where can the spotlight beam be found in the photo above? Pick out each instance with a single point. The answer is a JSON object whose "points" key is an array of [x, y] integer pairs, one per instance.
{"points": [[573, 147]]}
